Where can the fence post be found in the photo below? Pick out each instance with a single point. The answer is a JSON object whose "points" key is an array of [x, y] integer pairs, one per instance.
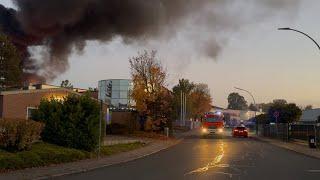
{"points": [[315, 134], [288, 131]]}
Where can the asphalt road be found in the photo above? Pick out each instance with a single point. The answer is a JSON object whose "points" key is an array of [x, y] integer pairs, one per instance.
{"points": [[213, 158]]}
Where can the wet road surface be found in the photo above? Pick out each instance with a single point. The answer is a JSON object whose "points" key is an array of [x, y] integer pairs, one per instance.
{"points": [[213, 158]]}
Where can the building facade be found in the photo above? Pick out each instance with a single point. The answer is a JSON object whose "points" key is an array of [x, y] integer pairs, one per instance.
{"points": [[310, 116], [20, 104], [116, 92]]}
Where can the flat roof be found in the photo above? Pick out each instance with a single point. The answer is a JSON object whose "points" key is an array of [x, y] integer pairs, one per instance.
{"points": [[36, 91]]}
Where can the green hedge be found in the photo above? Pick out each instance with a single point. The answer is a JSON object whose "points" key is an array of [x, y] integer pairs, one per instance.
{"points": [[71, 122], [43, 154]]}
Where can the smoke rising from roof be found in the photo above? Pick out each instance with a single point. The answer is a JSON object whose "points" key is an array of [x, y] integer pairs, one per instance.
{"points": [[64, 26]]}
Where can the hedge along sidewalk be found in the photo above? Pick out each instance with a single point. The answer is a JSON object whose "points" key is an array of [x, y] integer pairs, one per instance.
{"points": [[89, 164]]}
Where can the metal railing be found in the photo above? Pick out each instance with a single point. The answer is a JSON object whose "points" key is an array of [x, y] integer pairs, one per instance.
{"points": [[290, 132]]}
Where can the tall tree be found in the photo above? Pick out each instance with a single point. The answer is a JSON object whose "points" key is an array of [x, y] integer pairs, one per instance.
{"points": [[287, 112], [201, 100], [308, 107], [280, 101], [252, 107], [237, 102], [10, 64], [264, 106], [149, 79], [186, 87]]}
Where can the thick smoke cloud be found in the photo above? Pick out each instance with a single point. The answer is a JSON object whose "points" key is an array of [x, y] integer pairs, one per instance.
{"points": [[64, 26]]}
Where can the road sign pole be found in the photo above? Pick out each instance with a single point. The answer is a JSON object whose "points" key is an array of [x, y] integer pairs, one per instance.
{"points": [[100, 126]]}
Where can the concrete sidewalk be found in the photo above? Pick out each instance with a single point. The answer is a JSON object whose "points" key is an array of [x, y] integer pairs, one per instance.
{"points": [[293, 146], [182, 135], [153, 146]]}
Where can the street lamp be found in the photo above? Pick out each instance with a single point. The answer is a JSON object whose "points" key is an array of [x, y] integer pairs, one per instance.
{"points": [[255, 105], [290, 29]]}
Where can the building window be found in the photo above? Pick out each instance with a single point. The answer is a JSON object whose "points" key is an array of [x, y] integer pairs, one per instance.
{"points": [[30, 111]]}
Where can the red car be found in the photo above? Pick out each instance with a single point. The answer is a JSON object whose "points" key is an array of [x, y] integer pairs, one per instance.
{"points": [[240, 132]]}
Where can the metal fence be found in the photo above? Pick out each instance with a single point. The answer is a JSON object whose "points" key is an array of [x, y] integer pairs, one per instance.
{"points": [[290, 132], [279, 131]]}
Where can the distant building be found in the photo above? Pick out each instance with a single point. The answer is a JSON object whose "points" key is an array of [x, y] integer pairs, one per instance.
{"points": [[31, 86], [116, 92], [216, 108], [235, 117], [310, 116]]}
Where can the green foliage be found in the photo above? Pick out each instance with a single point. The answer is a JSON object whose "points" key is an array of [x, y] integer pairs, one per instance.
{"points": [[186, 87], [44, 154], [308, 107], [288, 113], [265, 106], [10, 69], [41, 154], [279, 101], [237, 102], [252, 107], [19, 134], [198, 98], [72, 122], [117, 148], [262, 119]]}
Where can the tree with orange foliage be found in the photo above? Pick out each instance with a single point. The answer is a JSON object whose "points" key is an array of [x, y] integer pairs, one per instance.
{"points": [[201, 100], [149, 88], [198, 98]]}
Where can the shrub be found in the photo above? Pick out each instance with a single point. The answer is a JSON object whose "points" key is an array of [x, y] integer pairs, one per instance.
{"points": [[41, 154], [72, 122], [19, 134]]}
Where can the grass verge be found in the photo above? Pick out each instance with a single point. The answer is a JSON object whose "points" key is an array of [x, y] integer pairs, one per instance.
{"points": [[44, 154]]}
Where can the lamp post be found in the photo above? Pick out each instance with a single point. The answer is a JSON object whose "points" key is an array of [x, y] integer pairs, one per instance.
{"points": [[305, 34], [290, 29], [255, 105]]}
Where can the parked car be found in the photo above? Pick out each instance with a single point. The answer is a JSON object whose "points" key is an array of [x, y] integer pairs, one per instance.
{"points": [[240, 131]]}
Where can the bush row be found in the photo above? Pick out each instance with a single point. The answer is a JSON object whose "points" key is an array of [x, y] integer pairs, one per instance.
{"points": [[19, 134], [41, 154]]}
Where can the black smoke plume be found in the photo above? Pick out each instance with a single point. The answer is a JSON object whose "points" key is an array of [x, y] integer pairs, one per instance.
{"points": [[64, 26]]}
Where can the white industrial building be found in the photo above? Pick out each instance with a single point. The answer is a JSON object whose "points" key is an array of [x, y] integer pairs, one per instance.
{"points": [[310, 116]]}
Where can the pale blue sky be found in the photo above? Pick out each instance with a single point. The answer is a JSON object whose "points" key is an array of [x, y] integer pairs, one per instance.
{"points": [[270, 63]]}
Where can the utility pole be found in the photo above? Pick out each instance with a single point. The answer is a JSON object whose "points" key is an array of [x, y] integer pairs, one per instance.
{"points": [[100, 127], [185, 108], [181, 104], [2, 67]]}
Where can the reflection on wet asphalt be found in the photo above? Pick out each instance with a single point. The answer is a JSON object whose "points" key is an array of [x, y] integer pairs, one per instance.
{"points": [[214, 158]]}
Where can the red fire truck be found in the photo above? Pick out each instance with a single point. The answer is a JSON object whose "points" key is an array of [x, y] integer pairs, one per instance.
{"points": [[213, 123]]}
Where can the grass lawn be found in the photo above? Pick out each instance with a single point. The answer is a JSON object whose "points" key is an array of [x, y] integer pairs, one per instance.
{"points": [[44, 154]]}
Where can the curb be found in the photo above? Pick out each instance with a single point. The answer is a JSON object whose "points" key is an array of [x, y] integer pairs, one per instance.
{"points": [[111, 164], [312, 155]]}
